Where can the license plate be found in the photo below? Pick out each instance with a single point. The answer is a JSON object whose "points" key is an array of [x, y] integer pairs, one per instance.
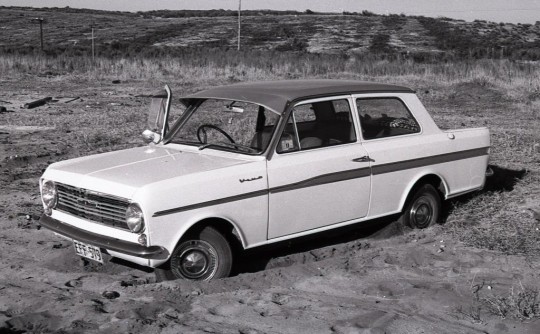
{"points": [[88, 251]]}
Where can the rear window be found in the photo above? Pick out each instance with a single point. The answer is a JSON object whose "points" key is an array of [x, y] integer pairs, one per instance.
{"points": [[385, 117]]}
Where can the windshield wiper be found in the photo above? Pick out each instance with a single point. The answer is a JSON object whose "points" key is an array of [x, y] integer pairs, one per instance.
{"points": [[232, 145]]}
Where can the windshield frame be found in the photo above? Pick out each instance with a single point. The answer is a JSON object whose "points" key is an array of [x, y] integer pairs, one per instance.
{"points": [[193, 104]]}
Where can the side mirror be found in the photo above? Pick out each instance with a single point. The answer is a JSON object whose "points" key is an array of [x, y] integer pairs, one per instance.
{"points": [[150, 136]]}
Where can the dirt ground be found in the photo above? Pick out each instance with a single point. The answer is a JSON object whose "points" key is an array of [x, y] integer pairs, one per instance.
{"points": [[353, 281]]}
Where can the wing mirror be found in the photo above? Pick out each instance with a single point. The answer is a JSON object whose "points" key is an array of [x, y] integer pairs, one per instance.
{"points": [[150, 136]]}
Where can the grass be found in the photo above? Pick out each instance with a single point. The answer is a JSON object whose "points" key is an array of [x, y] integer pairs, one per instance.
{"points": [[519, 303], [68, 32]]}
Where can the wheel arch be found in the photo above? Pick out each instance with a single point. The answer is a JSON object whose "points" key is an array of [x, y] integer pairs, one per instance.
{"points": [[434, 179], [225, 226]]}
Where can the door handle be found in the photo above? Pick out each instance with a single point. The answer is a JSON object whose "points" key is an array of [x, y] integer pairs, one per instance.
{"points": [[364, 158]]}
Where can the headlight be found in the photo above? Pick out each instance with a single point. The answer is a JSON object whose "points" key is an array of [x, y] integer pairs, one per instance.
{"points": [[49, 196], [134, 218]]}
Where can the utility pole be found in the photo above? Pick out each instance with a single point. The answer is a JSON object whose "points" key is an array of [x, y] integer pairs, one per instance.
{"points": [[93, 53], [239, 9], [40, 20]]}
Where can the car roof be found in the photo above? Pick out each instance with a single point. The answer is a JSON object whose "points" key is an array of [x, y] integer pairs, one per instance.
{"points": [[277, 94]]}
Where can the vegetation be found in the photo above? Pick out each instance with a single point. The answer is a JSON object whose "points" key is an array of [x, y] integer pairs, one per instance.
{"points": [[67, 31]]}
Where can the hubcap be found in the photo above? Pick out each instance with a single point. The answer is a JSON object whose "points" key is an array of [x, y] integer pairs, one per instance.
{"points": [[195, 259], [421, 212], [194, 262]]}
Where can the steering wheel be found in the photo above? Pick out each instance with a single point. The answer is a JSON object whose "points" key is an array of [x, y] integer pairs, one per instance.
{"points": [[202, 130]]}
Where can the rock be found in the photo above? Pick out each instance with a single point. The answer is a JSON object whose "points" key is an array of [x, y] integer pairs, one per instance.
{"points": [[73, 283], [110, 294]]}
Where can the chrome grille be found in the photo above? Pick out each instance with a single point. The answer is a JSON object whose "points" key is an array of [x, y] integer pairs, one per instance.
{"points": [[96, 207]]}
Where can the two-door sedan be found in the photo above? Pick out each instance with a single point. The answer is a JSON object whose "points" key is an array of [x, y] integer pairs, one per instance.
{"points": [[250, 164]]}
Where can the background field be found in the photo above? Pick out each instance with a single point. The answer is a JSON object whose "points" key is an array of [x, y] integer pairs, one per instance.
{"points": [[68, 31], [476, 272]]}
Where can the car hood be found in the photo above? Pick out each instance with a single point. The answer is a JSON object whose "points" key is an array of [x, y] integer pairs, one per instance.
{"points": [[121, 173]]}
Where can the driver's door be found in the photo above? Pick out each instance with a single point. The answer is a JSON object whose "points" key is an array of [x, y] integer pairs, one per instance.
{"points": [[320, 174]]}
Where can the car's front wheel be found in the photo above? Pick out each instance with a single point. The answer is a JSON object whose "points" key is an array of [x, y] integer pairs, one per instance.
{"points": [[423, 209], [201, 255]]}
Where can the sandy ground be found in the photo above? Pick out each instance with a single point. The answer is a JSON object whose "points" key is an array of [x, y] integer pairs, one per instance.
{"points": [[392, 281]]}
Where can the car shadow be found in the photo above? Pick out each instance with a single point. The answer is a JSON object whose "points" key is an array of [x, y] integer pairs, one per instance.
{"points": [[254, 260], [502, 180]]}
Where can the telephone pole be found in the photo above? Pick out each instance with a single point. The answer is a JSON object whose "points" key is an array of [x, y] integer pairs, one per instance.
{"points": [[40, 20], [93, 52], [239, 9]]}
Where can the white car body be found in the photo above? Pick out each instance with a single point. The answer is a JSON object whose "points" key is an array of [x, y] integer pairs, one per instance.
{"points": [[272, 197]]}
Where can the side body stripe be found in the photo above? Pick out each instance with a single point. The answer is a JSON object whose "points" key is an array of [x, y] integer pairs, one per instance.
{"points": [[337, 177]]}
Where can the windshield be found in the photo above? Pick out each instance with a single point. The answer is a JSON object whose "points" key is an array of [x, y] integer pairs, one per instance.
{"points": [[227, 125]]}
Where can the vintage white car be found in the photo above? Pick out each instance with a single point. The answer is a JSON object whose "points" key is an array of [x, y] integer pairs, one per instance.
{"points": [[255, 163]]}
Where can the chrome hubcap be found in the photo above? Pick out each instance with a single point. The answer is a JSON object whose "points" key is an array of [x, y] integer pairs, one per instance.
{"points": [[194, 263], [421, 212], [195, 260]]}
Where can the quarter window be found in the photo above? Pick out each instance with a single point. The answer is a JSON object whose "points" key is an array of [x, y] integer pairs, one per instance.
{"points": [[318, 124], [385, 117]]}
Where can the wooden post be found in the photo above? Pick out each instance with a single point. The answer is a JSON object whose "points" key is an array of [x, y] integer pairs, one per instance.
{"points": [[93, 53], [40, 20], [239, 9], [41, 32]]}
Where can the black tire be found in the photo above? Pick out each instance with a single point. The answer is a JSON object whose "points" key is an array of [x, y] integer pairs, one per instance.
{"points": [[423, 209], [199, 256]]}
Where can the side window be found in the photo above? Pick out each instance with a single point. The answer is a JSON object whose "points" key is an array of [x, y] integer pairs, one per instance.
{"points": [[318, 124], [288, 142], [385, 117]]}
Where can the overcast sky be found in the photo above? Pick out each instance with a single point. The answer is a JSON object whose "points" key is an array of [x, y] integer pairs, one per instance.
{"points": [[524, 11]]}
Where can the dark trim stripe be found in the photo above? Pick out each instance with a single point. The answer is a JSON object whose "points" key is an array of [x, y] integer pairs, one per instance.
{"points": [[319, 180], [213, 202], [324, 179], [337, 177], [433, 160]]}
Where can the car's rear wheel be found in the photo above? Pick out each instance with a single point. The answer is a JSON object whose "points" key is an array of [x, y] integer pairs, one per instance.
{"points": [[423, 209], [201, 255]]}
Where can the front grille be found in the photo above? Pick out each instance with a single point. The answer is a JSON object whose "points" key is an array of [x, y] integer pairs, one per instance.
{"points": [[96, 207]]}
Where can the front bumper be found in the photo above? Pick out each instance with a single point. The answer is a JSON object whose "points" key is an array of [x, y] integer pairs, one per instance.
{"points": [[109, 243]]}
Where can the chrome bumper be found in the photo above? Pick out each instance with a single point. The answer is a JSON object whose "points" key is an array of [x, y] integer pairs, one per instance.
{"points": [[112, 244]]}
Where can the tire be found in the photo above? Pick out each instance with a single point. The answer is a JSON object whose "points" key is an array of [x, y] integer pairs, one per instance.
{"points": [[200, 256], [423, 209]]}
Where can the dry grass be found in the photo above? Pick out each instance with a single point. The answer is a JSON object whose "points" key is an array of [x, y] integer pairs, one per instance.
{"points": [[520, 303]]}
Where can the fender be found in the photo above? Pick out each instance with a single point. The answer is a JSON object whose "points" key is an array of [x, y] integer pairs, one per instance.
{"points": [[415, 181]]}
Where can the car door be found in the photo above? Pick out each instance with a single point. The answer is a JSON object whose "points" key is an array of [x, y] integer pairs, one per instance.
{"points": [[320, 173], [398, 146]]}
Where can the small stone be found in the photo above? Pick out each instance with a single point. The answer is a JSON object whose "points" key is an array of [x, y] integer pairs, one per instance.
{"points": [[110, 294], [73, 283]]}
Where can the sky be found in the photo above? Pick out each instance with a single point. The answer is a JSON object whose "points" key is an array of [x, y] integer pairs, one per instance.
{"points": [[514, 11]]}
